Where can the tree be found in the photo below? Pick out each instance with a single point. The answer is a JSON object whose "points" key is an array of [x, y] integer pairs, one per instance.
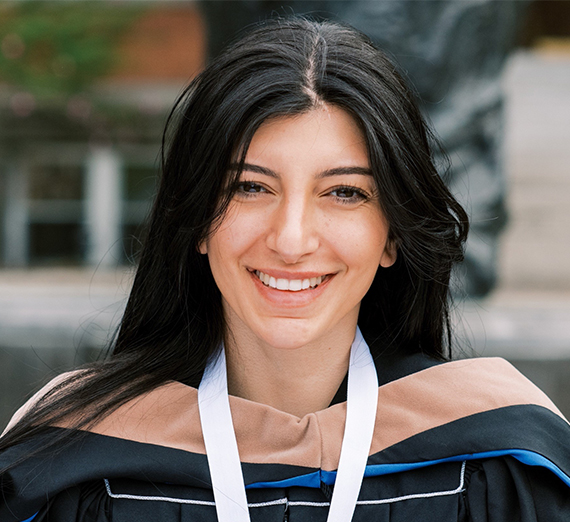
{"points": [[54, 50]]}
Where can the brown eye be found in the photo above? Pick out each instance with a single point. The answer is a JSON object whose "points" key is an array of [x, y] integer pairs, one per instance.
{"points": [[249, 187], [345, 193], [348, 194]]}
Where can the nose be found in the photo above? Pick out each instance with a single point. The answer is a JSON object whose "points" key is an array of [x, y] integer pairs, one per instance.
{"points": [[294, 232]]}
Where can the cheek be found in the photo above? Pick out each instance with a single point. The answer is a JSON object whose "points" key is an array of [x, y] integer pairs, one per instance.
{"points": [[360, 241], [236, 235]]}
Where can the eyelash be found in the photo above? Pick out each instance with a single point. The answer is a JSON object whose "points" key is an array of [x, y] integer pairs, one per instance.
{"points": [[241, 185], [358, 194]]}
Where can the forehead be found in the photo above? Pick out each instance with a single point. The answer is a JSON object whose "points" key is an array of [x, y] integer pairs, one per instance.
{"points": [[323, 137]]}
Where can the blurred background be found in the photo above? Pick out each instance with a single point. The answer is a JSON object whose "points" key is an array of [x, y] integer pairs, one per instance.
{"points": [[86, 86]]}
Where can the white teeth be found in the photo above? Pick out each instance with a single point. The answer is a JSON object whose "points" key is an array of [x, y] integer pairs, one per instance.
{"points": [[295, 285], [292, 285]]}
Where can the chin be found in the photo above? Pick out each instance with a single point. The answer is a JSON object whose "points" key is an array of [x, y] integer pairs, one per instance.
{"points": [[287, 336]]}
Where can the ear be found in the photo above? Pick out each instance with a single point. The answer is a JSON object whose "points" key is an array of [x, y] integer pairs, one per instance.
{"points": [[390, 254], [203, 247]]}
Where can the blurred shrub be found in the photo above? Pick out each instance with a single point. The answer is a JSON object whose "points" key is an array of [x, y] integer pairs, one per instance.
{"points": [[58, 49]]}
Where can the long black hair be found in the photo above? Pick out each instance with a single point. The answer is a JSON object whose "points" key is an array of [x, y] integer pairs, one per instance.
{"points": [[174, 320]]}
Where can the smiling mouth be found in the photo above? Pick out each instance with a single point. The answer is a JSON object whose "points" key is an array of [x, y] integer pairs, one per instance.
{"points": [[291, 285]]}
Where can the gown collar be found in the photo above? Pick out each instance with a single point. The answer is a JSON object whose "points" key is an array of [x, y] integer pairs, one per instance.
{"points": [[222, 450]]}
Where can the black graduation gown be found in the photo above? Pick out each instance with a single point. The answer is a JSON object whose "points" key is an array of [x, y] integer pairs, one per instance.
{"points": [[469, 440]]}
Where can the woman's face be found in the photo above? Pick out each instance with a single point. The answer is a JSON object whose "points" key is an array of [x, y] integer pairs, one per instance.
{"points": [[304, 234]]}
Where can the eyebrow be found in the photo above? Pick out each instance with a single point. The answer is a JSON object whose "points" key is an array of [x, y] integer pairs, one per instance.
{"points": [[337, 171]]}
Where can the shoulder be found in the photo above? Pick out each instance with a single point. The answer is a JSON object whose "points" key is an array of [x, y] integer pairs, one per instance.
{"points": [[30, 403], [468, 386], [471, 410], [479, 432], [463, 405]]}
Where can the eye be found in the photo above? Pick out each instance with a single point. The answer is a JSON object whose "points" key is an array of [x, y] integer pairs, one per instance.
{"points": [[347, 194], [247, 188]]}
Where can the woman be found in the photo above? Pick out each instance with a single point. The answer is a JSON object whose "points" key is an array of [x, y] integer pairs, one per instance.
{"points": [[299, 217]]}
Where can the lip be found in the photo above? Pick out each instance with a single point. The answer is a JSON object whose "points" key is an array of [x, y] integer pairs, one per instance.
{"points": [[286, 298]]}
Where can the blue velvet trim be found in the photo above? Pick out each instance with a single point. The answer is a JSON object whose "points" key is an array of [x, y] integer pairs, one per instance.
{"points": [[313, 480]]}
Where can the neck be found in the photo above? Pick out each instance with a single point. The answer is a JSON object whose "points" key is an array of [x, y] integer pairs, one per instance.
{"points": [[297, 381]]}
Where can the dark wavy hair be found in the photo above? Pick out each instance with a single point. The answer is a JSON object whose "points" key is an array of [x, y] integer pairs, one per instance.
{"points": [[174, 319]]}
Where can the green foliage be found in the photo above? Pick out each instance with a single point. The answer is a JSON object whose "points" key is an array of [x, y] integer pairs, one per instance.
{"points": [[58, 49]]}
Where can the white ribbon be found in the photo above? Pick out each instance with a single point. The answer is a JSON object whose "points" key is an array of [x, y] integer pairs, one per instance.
{"points": [[222, 450], [221, 445]]}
